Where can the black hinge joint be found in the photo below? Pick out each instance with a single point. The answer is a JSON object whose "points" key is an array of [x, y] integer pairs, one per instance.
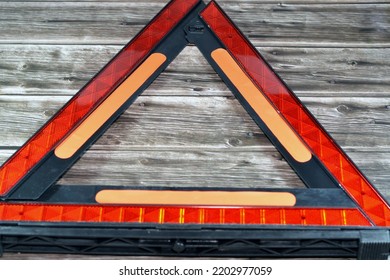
{"points": [[194, 29]]}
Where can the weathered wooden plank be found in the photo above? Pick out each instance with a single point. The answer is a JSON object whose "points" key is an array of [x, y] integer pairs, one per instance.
{"points": [[62, 70], [216, 122], [204, 168], [266, 24], [181, 168]]}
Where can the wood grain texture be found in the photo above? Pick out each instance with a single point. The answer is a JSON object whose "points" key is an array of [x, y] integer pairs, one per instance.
{"points": [[210, 122], [319, 72], [187, 129], [286, 24]]}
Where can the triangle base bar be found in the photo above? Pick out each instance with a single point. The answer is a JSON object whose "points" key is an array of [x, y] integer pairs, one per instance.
{"points": [[83, 194], [208, 241]]}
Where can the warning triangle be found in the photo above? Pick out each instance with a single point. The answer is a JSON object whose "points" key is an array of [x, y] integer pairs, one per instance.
{"points": [[162, 138], [338, 194]]}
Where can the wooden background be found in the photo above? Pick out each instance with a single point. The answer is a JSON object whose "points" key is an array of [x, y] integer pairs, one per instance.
{"points": [[187, 129]]}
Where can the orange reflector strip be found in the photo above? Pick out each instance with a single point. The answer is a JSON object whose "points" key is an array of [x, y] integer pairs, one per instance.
{"points": [[196, 198], [97, 118], [263, 108], [181, 215]]}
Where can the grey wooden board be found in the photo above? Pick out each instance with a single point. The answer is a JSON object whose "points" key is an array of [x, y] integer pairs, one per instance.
{"points": [[186, 129], [293, 24], [202, 121], [315, 72]]}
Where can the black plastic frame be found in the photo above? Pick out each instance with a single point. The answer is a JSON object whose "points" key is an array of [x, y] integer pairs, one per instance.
{"points": [[196, 240]]}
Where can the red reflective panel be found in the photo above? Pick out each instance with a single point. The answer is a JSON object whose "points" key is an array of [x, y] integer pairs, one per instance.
{"points": [[322, 145], [89, 97], [181, 215]]}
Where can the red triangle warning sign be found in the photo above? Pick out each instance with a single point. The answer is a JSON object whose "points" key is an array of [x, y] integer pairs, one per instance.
{"points": [[338, 194]]}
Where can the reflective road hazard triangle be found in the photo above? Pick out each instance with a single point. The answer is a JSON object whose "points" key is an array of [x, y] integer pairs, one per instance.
{"points": [[339, 214]]}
